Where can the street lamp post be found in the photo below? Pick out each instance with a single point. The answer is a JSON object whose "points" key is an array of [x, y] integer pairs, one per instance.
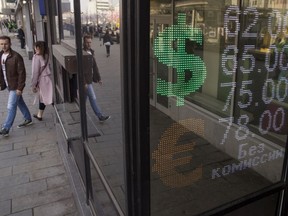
{"points": [[112, 9], [97, 21]]}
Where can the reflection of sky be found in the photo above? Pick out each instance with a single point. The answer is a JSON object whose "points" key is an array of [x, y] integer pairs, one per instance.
{"points": [[85, 4]]}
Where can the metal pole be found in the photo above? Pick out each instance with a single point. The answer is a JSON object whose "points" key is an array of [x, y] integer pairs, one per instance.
{"points": [[79, 55], [60, 20], [96, 13], [135, 24], [50, 36], [81, 89]]}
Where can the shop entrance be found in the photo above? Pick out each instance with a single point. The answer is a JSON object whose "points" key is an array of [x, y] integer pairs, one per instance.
{"points": [[157, 69]]}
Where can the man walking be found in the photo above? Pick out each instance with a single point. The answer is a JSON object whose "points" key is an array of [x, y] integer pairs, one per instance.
{"points": [[92, 75], [13, 77], [21, 36]]}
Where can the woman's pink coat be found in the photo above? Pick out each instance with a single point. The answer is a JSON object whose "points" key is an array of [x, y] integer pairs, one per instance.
{"points": [[41, 78]]}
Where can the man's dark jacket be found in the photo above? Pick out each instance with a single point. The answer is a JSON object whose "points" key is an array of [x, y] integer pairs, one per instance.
{"points": [[15, 72], [92, 75]]}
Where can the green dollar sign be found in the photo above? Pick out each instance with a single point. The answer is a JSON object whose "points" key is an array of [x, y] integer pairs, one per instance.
{"points": [[180, 60]]}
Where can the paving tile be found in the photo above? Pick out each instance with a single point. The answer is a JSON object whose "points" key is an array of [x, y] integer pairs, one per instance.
{"points": [[118, 131], [36, 142], [46, 172], [18, 136], [103, 145], [48, 134], [22, 190], [13, 154], [43, 163], [97, 184], [52, 153], [5, 140], [19, 160], [23, 213], [120, 194], [57, 181], [42, 148], [108, 137], [5, 207], [59, 208], [41, 198], [5, 171], [9, 181], [104, 152], [106, 204], [7, 147], [73, 214], [116, 179]]}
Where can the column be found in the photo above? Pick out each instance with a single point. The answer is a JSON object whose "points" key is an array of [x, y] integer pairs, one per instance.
{"points": [[28, 32], [38, 22]]}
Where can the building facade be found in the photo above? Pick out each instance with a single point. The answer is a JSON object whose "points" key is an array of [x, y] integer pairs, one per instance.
{"points": [[202, 123]]}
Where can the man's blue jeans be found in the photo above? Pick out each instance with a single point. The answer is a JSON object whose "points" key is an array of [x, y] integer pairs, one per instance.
{"points": [[15, 100], [93, 102]]}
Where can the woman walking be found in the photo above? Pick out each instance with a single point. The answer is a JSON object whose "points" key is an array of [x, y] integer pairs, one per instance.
{"points": [[107, 41], [41, 77]]}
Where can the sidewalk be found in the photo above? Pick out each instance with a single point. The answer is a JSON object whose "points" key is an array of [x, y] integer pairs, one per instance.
{"points": [[33, 179]]}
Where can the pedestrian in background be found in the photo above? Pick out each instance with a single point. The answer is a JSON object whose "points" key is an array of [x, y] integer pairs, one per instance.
{"points": [[117, 35], [99, 30], [90, 76], [41, 81], [13, 77], [107, 41], [21, 37]]}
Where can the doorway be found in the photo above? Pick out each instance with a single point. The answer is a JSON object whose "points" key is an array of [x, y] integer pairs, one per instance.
{"points": [[157, 69]]}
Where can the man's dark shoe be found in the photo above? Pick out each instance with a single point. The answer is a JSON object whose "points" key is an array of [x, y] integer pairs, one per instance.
{"points": [[104, 118], [25, 123], [4, 132]]}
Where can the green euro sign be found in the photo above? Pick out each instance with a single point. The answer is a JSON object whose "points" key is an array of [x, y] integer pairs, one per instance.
{"points": [[179, 59]]}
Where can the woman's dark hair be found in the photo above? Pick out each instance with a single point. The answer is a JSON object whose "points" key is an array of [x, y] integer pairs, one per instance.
{"points": [[42, 45], [44, 51]]}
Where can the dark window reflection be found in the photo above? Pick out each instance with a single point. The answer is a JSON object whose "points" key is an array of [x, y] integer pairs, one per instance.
{"points": [[225, 139]]}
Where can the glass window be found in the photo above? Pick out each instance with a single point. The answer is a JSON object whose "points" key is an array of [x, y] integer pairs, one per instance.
{"points": [[96, 17], [104, 137], [68, 19], [218, 101], [257, 208]]}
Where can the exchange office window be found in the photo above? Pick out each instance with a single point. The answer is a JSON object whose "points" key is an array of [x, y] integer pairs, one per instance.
{"points": [[107, 170], [222, 132]]}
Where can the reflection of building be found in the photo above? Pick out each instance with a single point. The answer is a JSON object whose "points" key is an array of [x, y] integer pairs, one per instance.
{"points": [[102, 5], [97, 11], [66, 6], [2, 5], [277, 4], [8, 7]]}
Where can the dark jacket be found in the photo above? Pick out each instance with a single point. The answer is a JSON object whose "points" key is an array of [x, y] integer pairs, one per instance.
{"points": [[107, 38], [92, 75], [21, 34], [15, 72]]}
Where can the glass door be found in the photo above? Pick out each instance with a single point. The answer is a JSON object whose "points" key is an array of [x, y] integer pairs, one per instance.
{"points": [[158, 70]]}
